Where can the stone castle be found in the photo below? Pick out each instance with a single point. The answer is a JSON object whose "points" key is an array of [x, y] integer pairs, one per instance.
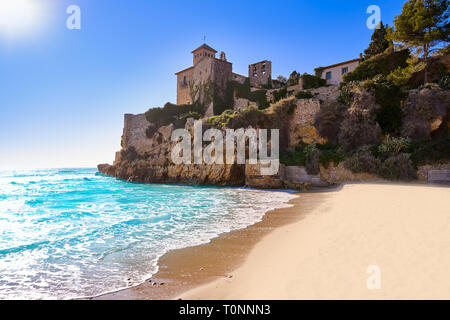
{"points": [[207, 68]]}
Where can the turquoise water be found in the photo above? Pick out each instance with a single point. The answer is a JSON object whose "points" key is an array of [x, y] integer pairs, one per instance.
{"points": [[73, 232]]}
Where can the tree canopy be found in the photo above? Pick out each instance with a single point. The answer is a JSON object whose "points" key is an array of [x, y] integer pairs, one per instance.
{"points": [[379, 43], [422, 25]]}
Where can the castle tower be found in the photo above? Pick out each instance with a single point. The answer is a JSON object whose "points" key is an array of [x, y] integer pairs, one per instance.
{"points": [[203, 51], [260, 73]]}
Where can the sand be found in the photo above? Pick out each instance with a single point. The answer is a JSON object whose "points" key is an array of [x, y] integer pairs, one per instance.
{"points": [[403, 231]]}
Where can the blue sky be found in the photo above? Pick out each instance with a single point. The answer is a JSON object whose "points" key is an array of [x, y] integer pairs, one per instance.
{"points": [[63, 92]]}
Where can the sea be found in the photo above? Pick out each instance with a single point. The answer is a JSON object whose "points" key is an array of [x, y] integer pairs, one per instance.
{"points": [[73, 233]]}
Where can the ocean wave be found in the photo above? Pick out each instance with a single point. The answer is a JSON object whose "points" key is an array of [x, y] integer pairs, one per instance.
{"points": [[76, 233]]}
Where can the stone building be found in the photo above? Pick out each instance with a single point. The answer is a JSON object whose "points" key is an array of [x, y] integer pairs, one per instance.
{"points": [[193, 83], [260, 73], [334, 73]]}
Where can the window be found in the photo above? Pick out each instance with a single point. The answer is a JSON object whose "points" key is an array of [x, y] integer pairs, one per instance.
{"points": [[344, 70], [328, 75], [184, 82]]}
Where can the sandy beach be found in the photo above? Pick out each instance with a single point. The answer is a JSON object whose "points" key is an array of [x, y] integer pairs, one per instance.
{"points": [[402, 230], [321, 248]]}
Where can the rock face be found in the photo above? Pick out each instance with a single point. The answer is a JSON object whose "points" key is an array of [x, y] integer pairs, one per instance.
{"points": [[146, 154], [426, 112], [301, 126], [143, 171]]}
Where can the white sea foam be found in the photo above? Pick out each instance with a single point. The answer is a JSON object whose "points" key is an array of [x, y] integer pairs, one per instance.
{"points": [[71, 233]]}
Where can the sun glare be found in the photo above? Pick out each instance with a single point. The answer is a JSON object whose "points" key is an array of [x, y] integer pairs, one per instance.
{"points": [[18, 16]]}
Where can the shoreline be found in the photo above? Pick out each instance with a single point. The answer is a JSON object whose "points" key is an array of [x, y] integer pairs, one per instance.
{"points": [[321, 248], [184, 269]]}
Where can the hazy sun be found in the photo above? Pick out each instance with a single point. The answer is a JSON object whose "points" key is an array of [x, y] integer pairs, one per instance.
{"points": [[18, 16]]}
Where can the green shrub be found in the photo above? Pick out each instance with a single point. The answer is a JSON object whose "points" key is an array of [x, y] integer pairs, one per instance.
{"points": [[279, 94], [398, 167], [394, 146], [225, 100], [260, 97], [304, 95], [312, 82], [362, 162], [250, 116], [297, 158], [383, 63], [346, 92], [329, 154], [274, 117], [242, 90], [312, 156], [403, 76], [430, 151], [223, 119], [293, 79], [389, 96], [329, 118], [359, 128], [444, 82], [171, 112]]}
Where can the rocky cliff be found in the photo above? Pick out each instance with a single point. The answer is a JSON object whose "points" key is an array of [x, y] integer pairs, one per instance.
{"points": [[145, 155]]}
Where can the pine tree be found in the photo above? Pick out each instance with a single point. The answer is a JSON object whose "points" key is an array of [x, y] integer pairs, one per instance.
{"points": [[379, 42], [423, 26]]}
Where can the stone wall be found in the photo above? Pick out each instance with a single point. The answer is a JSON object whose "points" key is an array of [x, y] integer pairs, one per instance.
{"points": [[241, 103], [134, 132], [423, 171], [300, 125], [184, 78], [338, 174]]}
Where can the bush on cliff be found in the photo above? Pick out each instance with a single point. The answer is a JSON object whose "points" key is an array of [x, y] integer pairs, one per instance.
{"points": [[359, 126], [383, 63], [346, 92], [311, 82], [304, 95], [260, 97], [312, 156], [274, 117], [389, 96], [444, 82], [363, 161], [398, 167], [171, 112], [392, 146], [242, 90], [279, 94], [225, 100], [430, 151], [329, 118]]}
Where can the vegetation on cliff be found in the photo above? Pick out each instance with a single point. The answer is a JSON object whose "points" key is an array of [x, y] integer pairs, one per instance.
{"points": [[385, 121]]}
